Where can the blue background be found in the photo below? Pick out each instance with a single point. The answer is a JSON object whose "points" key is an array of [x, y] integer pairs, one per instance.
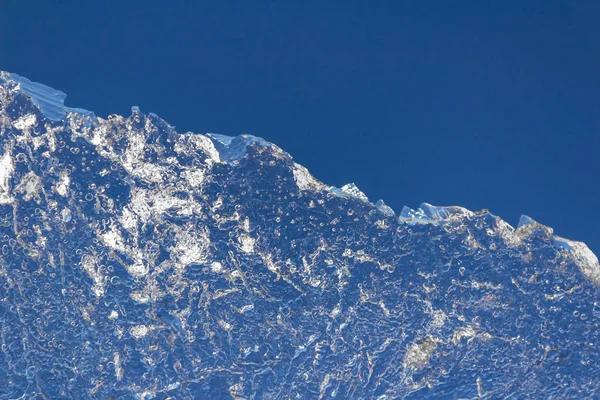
{"points": [[483, 104]]}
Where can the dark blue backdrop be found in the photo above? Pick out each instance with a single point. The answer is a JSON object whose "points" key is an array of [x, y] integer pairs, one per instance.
{"points": [[486, 104]]}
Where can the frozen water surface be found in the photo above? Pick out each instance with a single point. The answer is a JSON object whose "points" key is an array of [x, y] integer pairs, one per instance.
{"points": [[139, 262]]}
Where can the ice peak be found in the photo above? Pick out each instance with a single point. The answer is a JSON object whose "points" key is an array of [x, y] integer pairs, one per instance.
{"points": [[351, 190], [384, 208], [234, 148], [529, 228], [228, 149], [430, 213]]}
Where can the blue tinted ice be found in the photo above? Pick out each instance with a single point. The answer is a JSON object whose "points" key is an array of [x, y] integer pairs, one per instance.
{"points": [[137, 262], [234, 148], [50, 101]]}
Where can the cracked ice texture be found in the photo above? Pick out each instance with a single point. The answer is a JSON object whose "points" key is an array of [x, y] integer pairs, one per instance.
{"points": [[140, 262]]}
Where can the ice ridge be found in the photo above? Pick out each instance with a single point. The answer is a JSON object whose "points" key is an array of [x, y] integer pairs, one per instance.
{"points": [[231, 149]]}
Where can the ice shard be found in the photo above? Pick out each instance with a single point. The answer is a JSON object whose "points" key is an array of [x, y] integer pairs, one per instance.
{"points": [[139, 262]]}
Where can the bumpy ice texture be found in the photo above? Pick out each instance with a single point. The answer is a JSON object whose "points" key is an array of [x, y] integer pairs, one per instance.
{"points": [[139, 262]]}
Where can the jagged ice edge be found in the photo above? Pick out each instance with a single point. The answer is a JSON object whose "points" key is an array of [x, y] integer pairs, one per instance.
{"points": [[51, 104]]}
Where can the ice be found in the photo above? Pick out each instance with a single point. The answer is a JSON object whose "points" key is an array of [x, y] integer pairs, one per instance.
{"points": [[26, 122], [50, 101], [381, 206], [418, 354], [444, 213], [583, 257], [6, 170], [234, 148], [351, 190], [411, 215], [139, 262], [305, 180], [139, 331]]}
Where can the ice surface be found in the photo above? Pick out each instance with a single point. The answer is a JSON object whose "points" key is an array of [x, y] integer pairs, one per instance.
{"points": [[139, 262], [349, 189], [381, 206], [50, 101], [6, 170], [233, 148]]}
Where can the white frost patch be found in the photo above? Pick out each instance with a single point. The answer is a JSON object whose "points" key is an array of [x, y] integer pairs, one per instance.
{"points": [[246, 243], [62, 187], [113, 315], [99, 135], [271, 266], [118, 368], [30, 186], [128, 220], [194, 177], [147, 204], [463, 333], [66, 215], [7, 168], [418, 354], [145, 170], [225, 325], [114, 240], [304, 180], [139, 331], [89, 264], [246, 308], [140, 297], [438, 319], [133, 160], [246, 224], [192, 248], [216, 267], [138, 269], [26, 122]]}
